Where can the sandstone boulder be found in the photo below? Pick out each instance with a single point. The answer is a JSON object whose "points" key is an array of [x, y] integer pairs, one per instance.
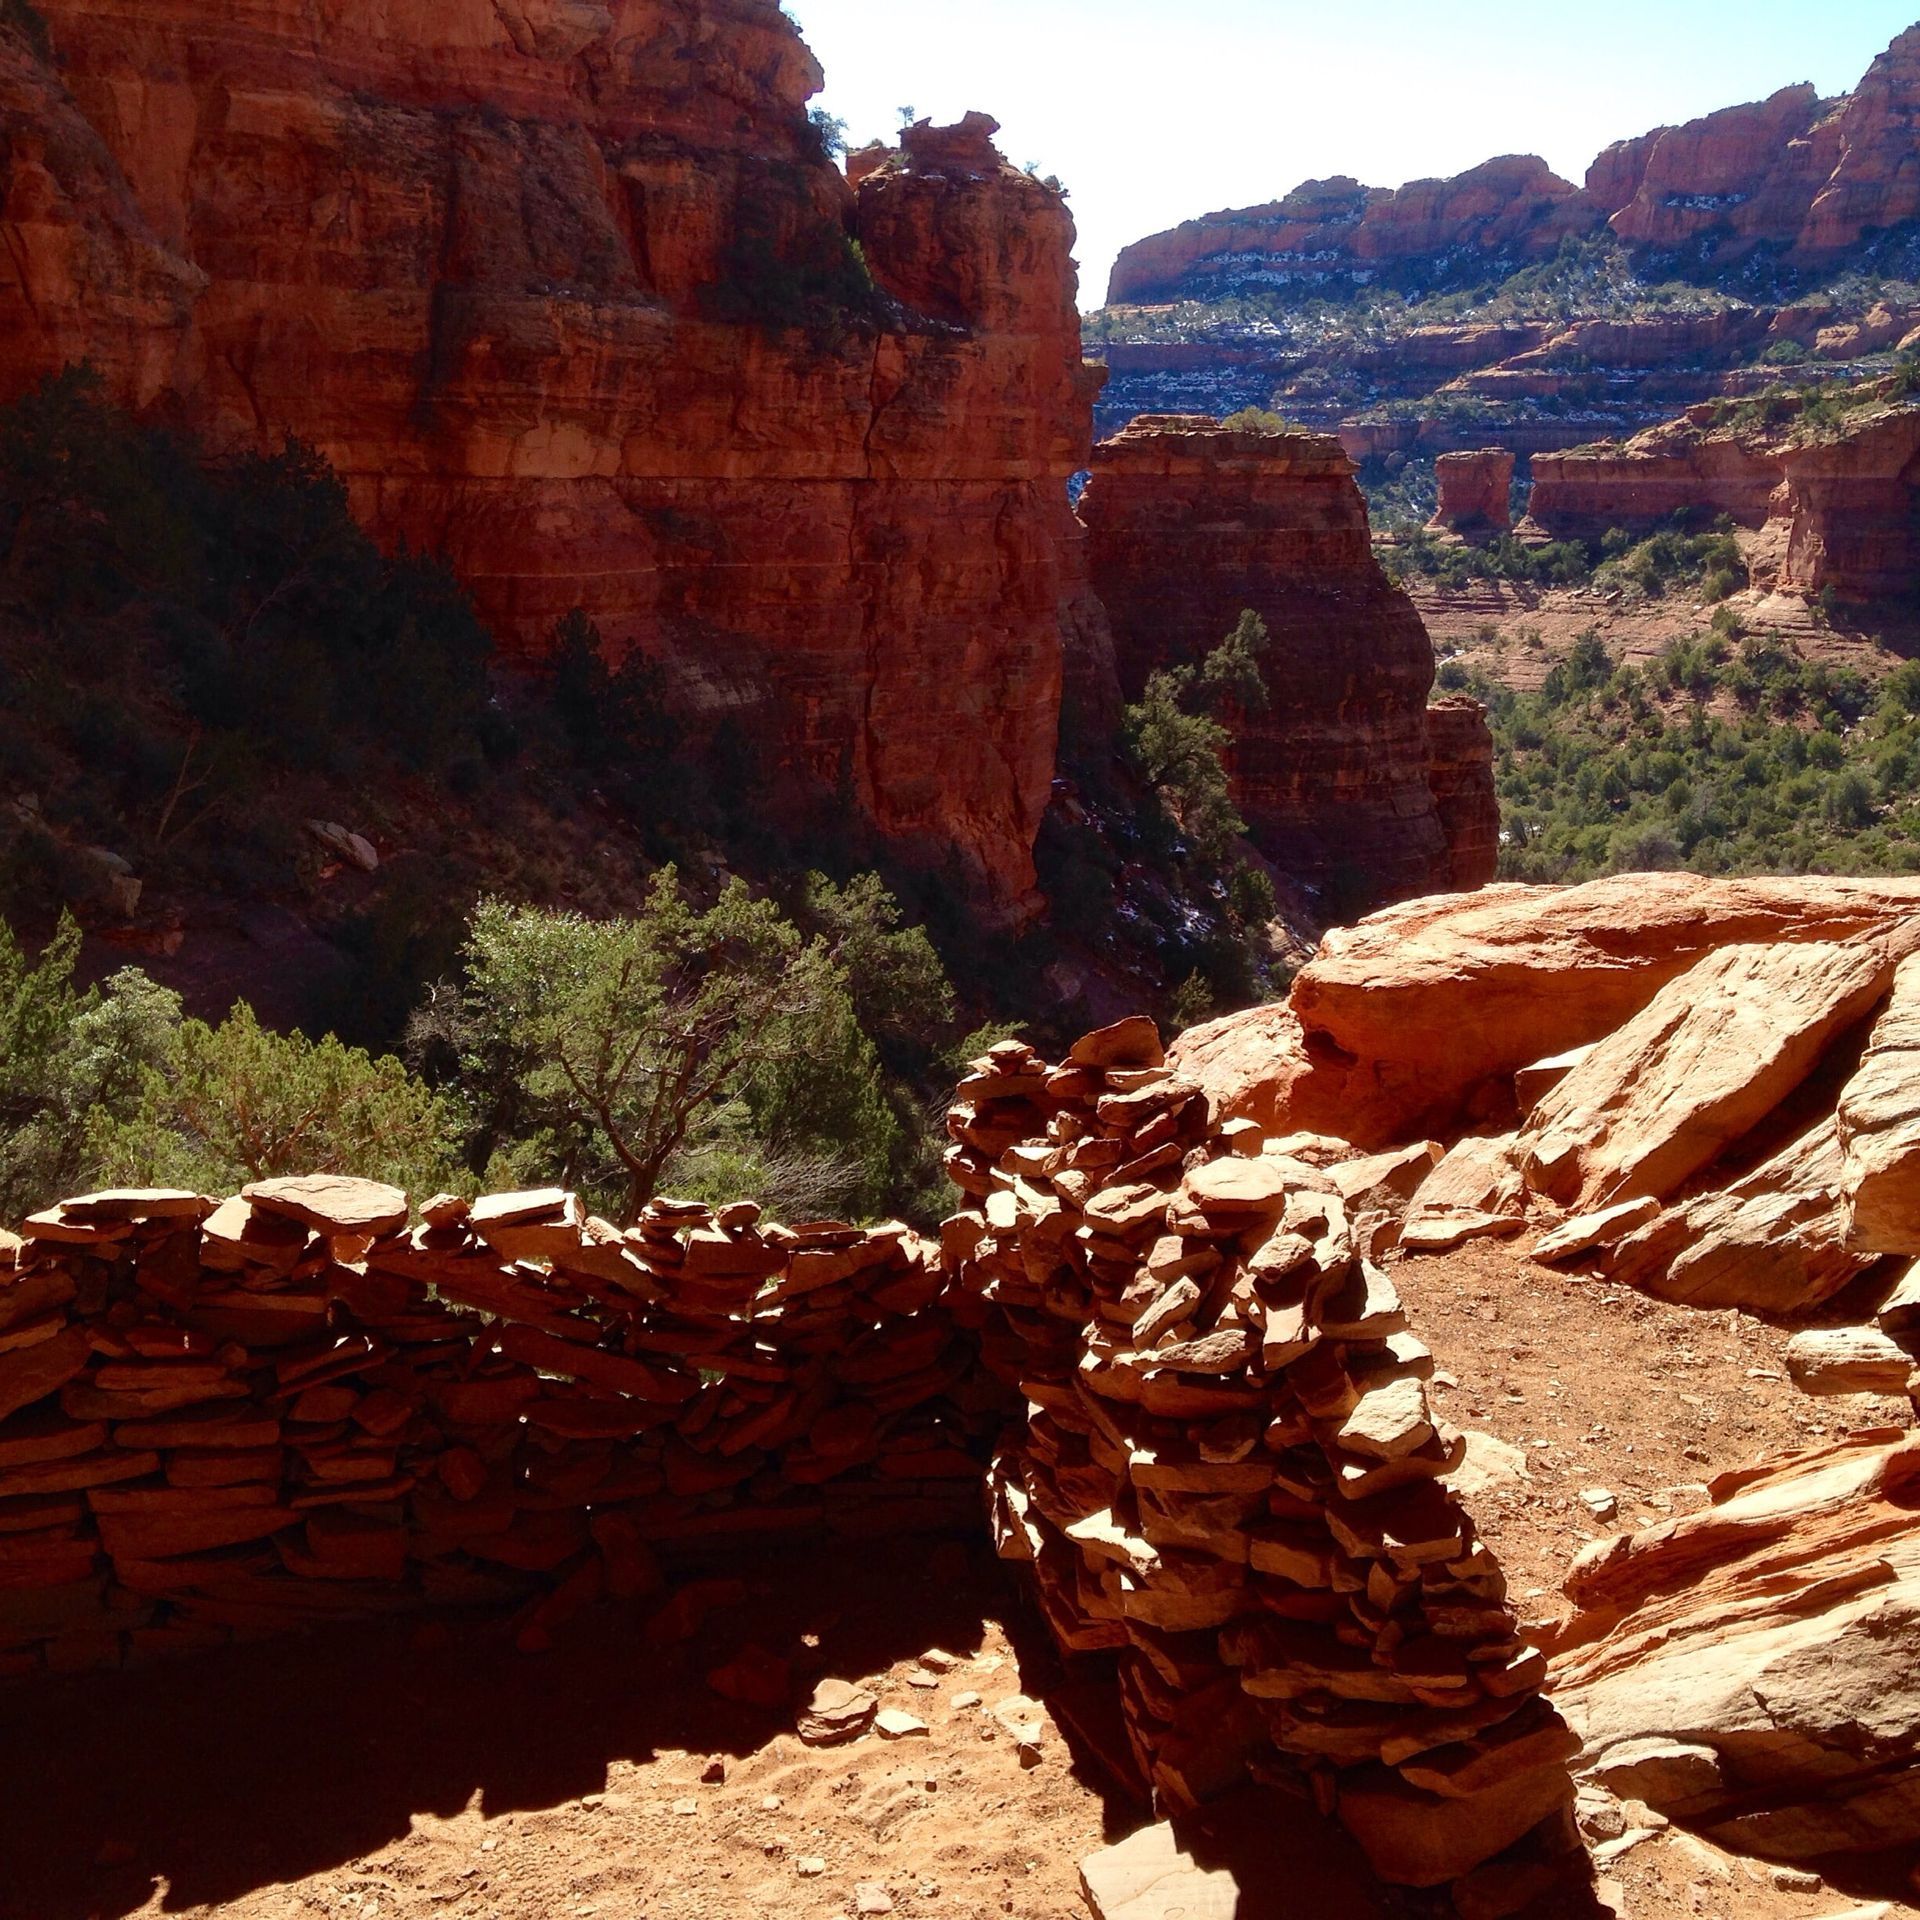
{"points": [[1713, 1054], [1751, 1668], [1840, 1360], [1772, 1242], [1880, 1128], [1475, 1190]]}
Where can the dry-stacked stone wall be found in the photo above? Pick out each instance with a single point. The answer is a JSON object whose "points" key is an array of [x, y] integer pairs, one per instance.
{"points": [[299, 1404], [1166, 1348], [1230, 1476]]}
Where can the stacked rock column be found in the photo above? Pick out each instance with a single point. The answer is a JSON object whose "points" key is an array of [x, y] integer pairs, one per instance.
{"points": [[1230, 1473]]}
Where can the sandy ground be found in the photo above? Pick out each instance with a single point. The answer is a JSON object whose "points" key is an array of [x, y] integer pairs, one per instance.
{"points": [[1596, 1386], [402, 1771]]}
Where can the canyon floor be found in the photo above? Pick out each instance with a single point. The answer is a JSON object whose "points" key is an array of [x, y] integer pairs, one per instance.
{"points": [[1516, 634]]}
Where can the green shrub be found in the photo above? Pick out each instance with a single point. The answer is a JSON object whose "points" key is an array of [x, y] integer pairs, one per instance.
{"points": [[693, 1043]]}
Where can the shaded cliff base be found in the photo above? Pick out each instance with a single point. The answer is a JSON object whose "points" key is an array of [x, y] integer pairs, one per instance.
{"points": [[303, 818]]}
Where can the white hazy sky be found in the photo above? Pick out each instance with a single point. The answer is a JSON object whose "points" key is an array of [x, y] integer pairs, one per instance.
{"points": [[1153, 113]]}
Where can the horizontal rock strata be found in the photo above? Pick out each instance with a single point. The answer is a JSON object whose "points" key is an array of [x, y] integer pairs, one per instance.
{"points": [[571, 295], [1343, 778]]}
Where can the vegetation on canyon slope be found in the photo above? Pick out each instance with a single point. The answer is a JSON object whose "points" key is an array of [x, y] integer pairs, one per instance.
{"points": [[593, 953], [1678, 557], [726, 1048], [1731, 753]]}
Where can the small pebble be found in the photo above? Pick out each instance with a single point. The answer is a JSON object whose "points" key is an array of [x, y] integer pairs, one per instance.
{"points": [[810, 1866]]}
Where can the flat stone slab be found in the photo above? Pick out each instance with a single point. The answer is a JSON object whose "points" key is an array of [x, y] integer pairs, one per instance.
{"points": [[1148, 1876], [331, 1203]]}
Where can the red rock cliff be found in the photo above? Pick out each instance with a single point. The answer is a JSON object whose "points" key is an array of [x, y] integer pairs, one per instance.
{"points": [[566, 290], [1476, 492], [1189, 524], [1808, 178], [1834, 508], [1515, 205]]}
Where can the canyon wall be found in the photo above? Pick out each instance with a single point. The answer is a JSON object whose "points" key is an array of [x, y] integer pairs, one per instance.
{"points": [[1516, 205], [571, 294], [1188, 525], [1806, 177], [1830, 509]]}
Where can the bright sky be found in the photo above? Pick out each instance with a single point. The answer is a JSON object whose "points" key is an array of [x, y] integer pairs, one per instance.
{"points": [[1154, 112]]}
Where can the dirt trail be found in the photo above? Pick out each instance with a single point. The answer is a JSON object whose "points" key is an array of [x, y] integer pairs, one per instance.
{"points": [[1588, 1386]]}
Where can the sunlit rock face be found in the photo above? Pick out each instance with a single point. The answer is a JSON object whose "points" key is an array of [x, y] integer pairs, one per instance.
{"points": [[569, 292]]}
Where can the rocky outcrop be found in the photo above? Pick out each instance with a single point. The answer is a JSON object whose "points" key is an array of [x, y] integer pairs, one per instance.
{"points": [[1774, 1241], [1476, 492], [570, 294], [1514, 208], [1421, 1015], [83, 276], [1460, 773], [1741, 173], [1188, 525], [1835, 506], [1714, 1052], [1792, 172], [1674, 471], [1749, 1669]]}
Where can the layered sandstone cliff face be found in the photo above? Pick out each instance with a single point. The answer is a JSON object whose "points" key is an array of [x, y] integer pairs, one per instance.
{"points": [[1832, 511], [567, 291], [1476, 492], [1517, 205], [1188, 525], [1794, 173], [1797, 219]]}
